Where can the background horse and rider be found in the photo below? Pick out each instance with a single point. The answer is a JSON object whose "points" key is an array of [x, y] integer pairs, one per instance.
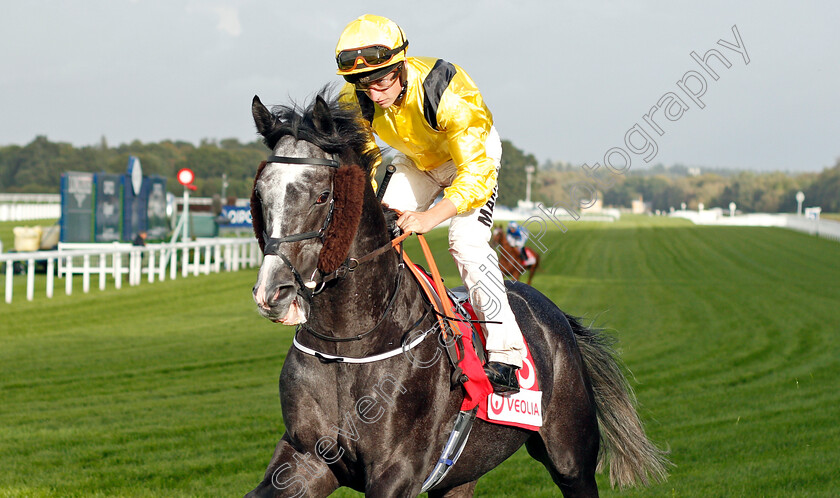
{"points": [[510, 261], [378, 425]]}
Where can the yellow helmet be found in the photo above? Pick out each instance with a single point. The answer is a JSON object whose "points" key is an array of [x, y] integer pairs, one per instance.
{"points": [[370, 43]]}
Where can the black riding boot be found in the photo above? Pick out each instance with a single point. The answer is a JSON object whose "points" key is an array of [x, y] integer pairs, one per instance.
{"points": [[502, 377]]}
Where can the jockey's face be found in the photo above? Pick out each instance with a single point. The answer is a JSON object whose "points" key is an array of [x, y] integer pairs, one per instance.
{"points": [[384, 91]]}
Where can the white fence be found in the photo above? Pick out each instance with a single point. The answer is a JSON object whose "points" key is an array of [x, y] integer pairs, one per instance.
{"points": [[22, 212], [40, 198], [827, 229], [23, 207], [117, 261]]}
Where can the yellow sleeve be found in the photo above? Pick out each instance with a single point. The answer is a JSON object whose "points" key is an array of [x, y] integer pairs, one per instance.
{"points": [[467, 123], [347, 96]]}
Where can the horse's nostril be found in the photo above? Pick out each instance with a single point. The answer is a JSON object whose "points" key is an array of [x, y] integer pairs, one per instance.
{"points": [[274, 295]]}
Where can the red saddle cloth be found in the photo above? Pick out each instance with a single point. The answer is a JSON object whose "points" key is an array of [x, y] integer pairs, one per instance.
{"points": [[530, 257], [523, 409]]}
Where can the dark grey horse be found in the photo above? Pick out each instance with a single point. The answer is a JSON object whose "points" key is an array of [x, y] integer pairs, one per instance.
{"points": [[379, 427]]}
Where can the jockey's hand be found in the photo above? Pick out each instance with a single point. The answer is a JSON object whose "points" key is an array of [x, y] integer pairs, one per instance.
{"points": [[415, 221], [424, 221]]}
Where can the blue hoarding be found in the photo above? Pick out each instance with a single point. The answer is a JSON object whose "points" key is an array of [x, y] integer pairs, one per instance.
{"points": [[238, 217]]}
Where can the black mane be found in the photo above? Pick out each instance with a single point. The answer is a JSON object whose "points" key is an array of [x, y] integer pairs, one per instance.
{"points": [[350, 139]]}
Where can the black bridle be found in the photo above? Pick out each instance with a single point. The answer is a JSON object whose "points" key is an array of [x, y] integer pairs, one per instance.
{"points": [[272, 248], [272, 245]]}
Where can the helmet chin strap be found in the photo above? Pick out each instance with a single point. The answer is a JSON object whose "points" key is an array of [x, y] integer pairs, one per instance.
{"points": [[403, 84]]}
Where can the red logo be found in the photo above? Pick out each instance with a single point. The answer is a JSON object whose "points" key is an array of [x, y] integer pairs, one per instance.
{"points": [[527, 379], [501, 404]]}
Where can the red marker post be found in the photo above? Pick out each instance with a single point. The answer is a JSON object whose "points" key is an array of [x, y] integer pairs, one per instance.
{"points": [[185, 178]]}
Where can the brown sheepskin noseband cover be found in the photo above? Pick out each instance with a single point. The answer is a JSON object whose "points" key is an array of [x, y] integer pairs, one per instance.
{"points": [[349, 195], [256, 210], [349, 185]]}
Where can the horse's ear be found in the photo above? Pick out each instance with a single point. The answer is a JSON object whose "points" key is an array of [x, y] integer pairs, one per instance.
{"points": [[321, 117], [262, 116]]}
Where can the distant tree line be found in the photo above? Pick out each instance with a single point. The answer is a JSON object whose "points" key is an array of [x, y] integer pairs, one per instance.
{"points": [[669, 187], [37, 167]]}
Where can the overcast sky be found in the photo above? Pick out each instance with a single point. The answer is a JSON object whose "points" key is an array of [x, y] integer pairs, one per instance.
{"points": [[564, 80]]}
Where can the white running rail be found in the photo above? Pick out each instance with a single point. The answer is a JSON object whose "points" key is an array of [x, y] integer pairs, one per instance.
{"points": [[115, 261], [26, 212]]}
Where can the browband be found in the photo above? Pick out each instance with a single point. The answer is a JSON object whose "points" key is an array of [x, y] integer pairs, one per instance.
{"points": [[303, 160]]}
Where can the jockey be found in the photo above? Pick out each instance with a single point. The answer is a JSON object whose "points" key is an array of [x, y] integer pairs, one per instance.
{"points": [[517, 237], [432, 113]]}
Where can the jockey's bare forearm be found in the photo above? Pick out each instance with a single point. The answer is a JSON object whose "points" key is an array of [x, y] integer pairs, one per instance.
{"points": [[422, 222]]}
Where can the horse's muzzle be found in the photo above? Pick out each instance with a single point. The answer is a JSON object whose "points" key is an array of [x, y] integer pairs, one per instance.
{"points": [[280, 303]]}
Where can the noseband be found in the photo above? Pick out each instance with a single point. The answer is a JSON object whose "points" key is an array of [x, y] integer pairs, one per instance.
{"points": [[272, 245]]}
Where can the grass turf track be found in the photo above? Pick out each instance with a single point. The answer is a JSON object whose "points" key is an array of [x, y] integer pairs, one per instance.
{"points": [[169, 389]]}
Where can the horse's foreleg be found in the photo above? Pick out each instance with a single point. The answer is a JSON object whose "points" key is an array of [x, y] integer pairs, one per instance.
{"points": [[292, 473]]}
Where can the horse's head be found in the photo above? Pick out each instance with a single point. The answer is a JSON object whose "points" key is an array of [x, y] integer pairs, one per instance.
{"points": [[306, 203]]}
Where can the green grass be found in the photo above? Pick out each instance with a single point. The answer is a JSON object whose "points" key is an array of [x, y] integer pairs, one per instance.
{"points": [[170, 389]]}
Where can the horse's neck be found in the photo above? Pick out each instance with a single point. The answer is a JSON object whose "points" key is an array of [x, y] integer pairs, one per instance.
{"points": [[358, 302]]}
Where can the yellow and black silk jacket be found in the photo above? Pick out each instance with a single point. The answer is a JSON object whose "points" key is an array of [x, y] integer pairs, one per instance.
{"points": [[441, 117]]}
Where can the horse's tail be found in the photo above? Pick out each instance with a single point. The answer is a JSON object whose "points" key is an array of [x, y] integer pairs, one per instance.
{"points": [[632, 457]]}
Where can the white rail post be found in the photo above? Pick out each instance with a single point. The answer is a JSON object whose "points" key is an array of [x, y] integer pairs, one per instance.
{"points": [[217, 258], [68, 275], [228, 257], [10, 269], [50, 277], [86, 274], [185, 261], [173, 263], [133, 268], [164, 255], [102, 272], [151, 265], [30, 279], [196, 259], [116, 259], [208, 253]]}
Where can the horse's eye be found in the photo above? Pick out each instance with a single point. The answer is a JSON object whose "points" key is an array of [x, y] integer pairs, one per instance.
{"points": [[324, 197]]}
